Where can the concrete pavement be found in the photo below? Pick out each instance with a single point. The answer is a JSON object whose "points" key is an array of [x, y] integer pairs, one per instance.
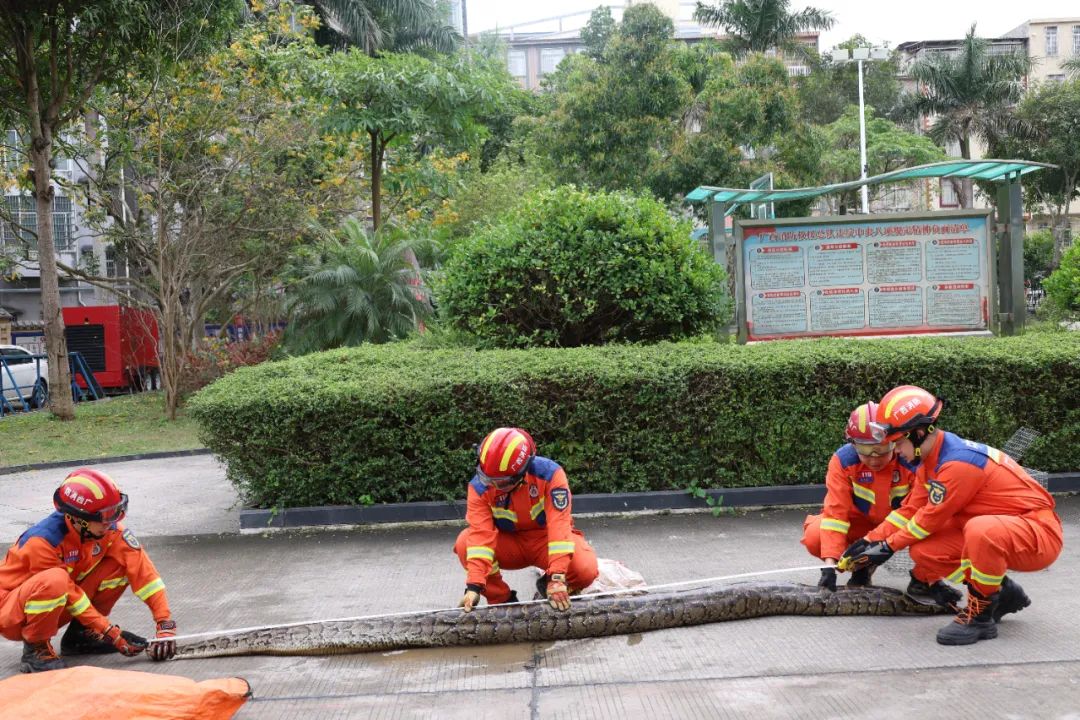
{"points": [[783, 667]]}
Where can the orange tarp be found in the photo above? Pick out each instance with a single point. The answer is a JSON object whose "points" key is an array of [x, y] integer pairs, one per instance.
{"points": [[90, 693]]}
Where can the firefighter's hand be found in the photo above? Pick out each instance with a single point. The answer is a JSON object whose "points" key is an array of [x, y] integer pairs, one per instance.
{"points": [[828, 579], [471, 598], [847, 560], [868, 553], [127, 643], [557, 593], [166, 647]]}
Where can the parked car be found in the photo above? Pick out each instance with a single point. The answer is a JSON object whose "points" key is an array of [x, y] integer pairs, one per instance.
{"points": [[30, 375]]}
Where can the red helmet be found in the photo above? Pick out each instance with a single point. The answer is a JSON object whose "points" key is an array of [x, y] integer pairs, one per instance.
{"points": [[859, 430], [92, 496], [503, 457], [904, 409]]}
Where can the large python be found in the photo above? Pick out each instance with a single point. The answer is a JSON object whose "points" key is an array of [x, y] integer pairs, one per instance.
{"points": [[532, 622]]}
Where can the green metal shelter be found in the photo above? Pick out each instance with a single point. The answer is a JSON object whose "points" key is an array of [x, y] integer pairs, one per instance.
{"points": [[1008, 228]]}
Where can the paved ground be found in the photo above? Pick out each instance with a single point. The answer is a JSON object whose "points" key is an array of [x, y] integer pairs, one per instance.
{"points": [[786, 667]]}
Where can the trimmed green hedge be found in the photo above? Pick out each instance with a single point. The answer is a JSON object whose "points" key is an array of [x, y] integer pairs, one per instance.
{"points": [[396, 423]]}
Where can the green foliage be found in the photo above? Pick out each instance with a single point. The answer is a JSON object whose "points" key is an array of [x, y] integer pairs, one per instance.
{"points": [[361, 288], [385, 25], [1038, 254], [598, 31], [397, 422], [831, 87], [1063, 285], [761, 25], [570, 268]]}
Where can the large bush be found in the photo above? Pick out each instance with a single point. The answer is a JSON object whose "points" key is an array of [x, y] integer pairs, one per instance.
{"points": [[1063, 285], [569, 268], [397, 423]]}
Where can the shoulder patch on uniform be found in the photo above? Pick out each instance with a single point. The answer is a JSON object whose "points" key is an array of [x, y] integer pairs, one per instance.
{"points": [[936, 492], [129, 538], [560, 498]]}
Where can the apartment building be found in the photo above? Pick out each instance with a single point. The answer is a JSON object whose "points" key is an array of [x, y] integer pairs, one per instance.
{"points": [[1050, 43]]}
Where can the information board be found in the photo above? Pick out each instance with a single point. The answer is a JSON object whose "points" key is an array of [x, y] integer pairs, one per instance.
{"points": [[856, 276]]}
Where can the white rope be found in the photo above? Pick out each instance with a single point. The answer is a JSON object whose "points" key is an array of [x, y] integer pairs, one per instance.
{"points": [[621, 591]]}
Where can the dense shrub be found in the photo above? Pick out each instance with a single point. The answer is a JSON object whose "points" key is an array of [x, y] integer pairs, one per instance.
{"points": [[569, 268], [397, 423], [1063, 285], [217, 357], [1038, 254]]}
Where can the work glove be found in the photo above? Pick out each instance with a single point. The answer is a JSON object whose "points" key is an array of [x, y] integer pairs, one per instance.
{"points": [[844, 564], [471, 598], [126, 643], [871, 553], [828, 579], [166, 648], [557, 593]]}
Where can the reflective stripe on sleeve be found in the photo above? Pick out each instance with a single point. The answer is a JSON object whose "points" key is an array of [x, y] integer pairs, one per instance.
{"points": [[536, 509], [835, 525], [560, 547], [37, 607], [864, 492], [899, 491], [154, 586], [504, 514], [895, 518], [480, 551], [917, 532]]}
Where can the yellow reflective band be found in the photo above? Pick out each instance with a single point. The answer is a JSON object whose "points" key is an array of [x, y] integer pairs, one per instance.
{"points": [[480, 551], [863, 417], [899, 491], [895, 518], [835, 525], [483, 450], [915, 530], [509, 452], [957, 576], [536, 509], [89, 570], [149, 589], [89, 484], [984, 579], [560, 547], [37, 607], [80, 606], [494, 569], [898, 397], [995, 455], [864, 492], [504, 514], [113, 583]]}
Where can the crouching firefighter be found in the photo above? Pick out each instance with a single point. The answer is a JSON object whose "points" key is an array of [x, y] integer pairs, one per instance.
{"points": [[71, 568], [519, 515], [977, 515], [865, 482]]}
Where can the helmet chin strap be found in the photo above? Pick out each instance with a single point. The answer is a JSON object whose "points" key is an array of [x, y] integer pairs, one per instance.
{"points": [[84, 529], [918, 437]]}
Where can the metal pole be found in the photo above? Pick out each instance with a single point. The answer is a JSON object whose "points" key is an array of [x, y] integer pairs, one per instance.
{"points": [[862, 145]]}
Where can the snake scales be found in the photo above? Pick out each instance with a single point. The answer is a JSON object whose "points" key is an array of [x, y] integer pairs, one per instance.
{"points": [[533, 622]]}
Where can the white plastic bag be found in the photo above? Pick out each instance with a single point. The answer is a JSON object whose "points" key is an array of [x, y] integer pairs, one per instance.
{"points": [[614, 576]]}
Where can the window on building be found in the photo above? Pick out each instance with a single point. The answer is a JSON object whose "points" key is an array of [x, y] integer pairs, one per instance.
{"points": [[1051, 42], [12, 156], [516, 64], [63, 222], [115, 265], [1058, 78], [949, 197], [1076, 40], [19, 226], [550, 59]]}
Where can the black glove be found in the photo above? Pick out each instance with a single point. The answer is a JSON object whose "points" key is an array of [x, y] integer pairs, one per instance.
{"points": [[828, 579], [874, 553], [846, 561]]}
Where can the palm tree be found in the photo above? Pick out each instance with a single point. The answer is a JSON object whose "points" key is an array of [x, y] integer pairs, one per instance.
{"points": [[1072, 66], [385, 25], [762, 25], [970, 94], [362, 288]]}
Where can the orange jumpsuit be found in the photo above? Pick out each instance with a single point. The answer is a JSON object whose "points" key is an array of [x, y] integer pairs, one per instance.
{"points": [[51, 575], [529, 527], [974, 514], [857, 499]]}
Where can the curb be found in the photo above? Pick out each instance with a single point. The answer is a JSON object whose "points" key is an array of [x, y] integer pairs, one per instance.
{"points": [[663, 500], [102, 460]]}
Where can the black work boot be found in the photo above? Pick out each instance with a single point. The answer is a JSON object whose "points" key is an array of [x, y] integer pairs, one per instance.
{"points": [[940, 593], [78, 640], [862, 576], [541, 587], [38, 657], [1012, 599], [974, 623]]}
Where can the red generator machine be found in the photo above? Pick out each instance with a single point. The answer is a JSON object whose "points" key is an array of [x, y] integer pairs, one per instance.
{"points": [[118, 343]]}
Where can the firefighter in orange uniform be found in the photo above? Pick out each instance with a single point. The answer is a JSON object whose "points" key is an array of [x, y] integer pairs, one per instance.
{"points": [[978, 515], [866, 481], [72, 567], [519, 515]]}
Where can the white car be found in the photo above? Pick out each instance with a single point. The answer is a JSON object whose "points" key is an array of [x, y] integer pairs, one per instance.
{"points": [[30, 376]]}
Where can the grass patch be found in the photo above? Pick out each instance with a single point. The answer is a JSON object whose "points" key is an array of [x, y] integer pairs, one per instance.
{"points": [[125, 425]]}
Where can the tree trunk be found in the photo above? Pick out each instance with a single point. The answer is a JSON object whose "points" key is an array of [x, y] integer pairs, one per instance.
{"points": [[967, 186], [376, 181], [60, 401]]}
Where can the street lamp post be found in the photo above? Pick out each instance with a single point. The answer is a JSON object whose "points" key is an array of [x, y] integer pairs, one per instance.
{"points": [[859, 54]]}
